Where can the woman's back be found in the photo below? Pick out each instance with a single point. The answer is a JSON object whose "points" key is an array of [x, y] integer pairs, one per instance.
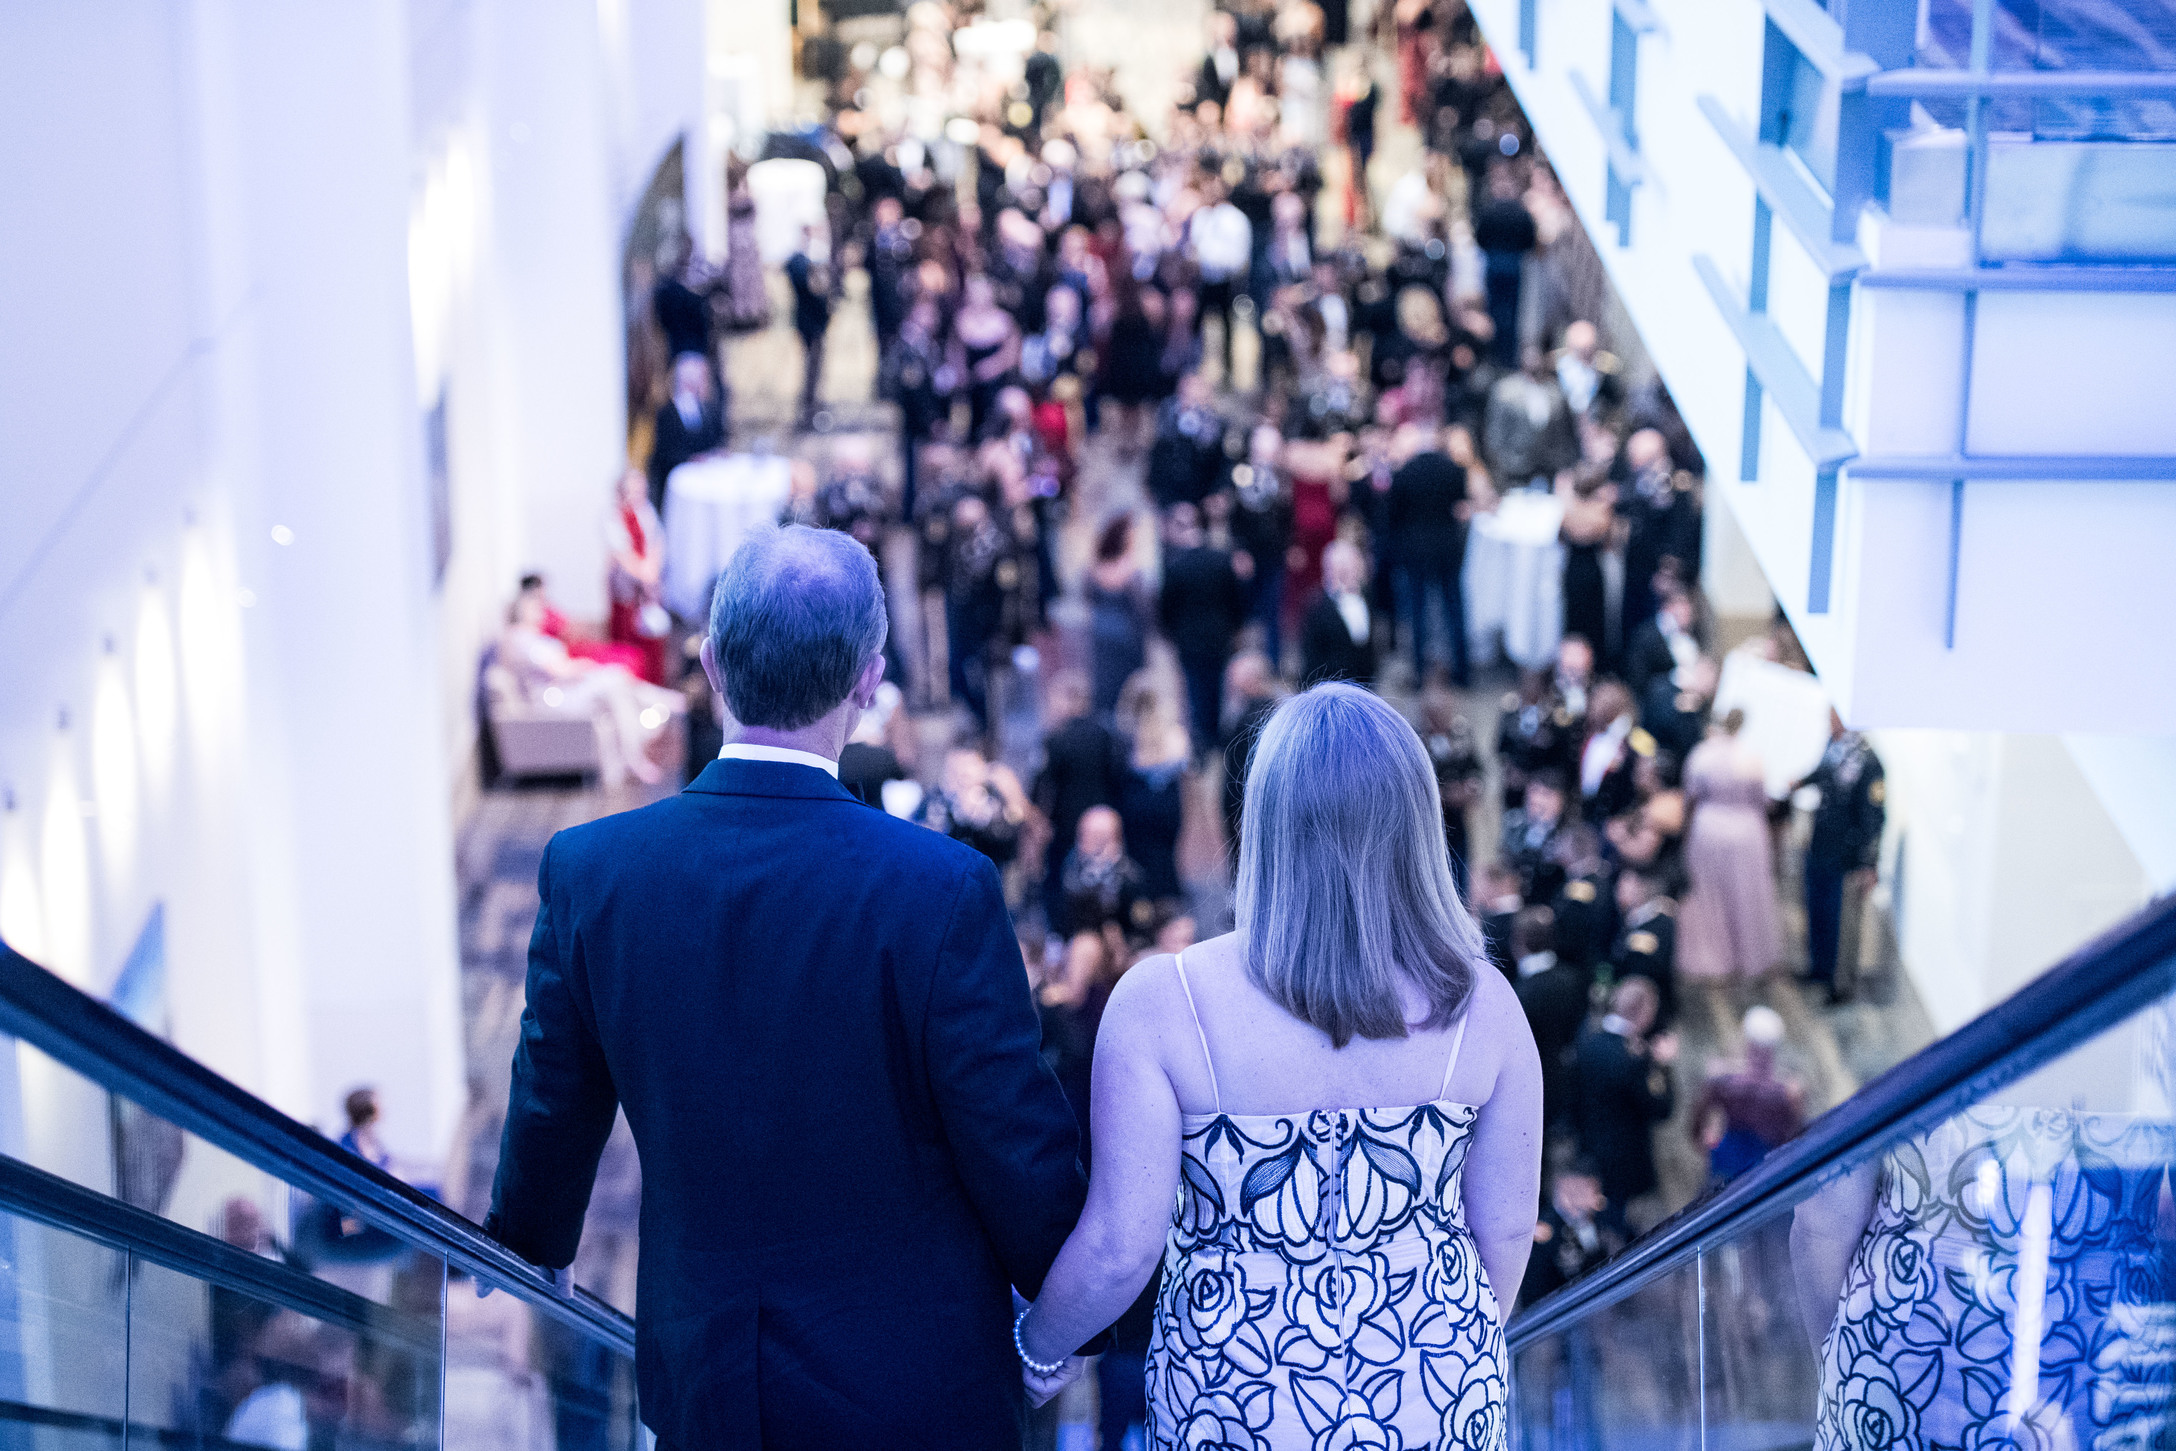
{"points": [[1319, 1270]]}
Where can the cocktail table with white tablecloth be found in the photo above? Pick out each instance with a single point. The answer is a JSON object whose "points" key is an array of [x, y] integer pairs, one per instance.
{"points": [[712, 503], [1514, 579]]}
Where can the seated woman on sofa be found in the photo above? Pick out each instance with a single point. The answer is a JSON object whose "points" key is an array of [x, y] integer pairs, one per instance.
{"points": [[632, 712]]}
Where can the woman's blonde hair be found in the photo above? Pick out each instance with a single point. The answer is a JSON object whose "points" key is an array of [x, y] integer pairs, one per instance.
{"points": [[1345, 887]]}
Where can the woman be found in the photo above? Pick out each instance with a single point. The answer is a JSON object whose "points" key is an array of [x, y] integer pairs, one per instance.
{"points": [[1117, 615], [747, 301], [1728, 928], [631, 712], [986, 349], [635, 540], [1152, 796], [1345, 1105], [1131, 377]]}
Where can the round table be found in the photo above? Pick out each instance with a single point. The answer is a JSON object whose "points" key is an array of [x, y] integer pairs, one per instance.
{"points": [[712, 503], [1514, 580]]}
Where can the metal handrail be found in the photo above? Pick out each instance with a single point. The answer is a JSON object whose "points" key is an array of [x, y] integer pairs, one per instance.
{"points": [[2093, 989], [88, 1037]]}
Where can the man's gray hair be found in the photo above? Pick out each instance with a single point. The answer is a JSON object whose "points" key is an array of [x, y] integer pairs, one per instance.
{"points": [[1345, 891], [796, 617]]}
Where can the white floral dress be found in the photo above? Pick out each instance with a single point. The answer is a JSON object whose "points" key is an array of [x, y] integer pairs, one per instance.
{"points": [[1320, 1288]]}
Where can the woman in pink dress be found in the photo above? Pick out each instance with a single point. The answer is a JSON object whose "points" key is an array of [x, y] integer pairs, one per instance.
{"points": [[1728, 928]]}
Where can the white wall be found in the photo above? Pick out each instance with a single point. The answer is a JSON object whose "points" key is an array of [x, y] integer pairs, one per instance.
{"points": [[216, 563], [2065, 576]]}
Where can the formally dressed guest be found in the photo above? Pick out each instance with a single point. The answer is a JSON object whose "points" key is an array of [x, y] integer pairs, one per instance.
{"points": [[977, 803], [1497, 906], [854, 1069], [1728, 929], [1117, 613], [1152, 793], [1530, 834], [747, 299], [1083, 764], [1202, 607], [985, 350], [1553, 995], [1220, 65], [1612, 750], [891, 265], [1662, 526], [1427, 537], [1571, 1236], [635, 547], [1623, 1088], [1528, 433], [1341, 639], [1535, 732], [1588, 531], [1252, 692], [1841, 855], [1747, 1108], [632, 712], [1103, 884], [682, 311], [690, 422], [1646, 944], [1504, 230], [1589, 377], [1664, 644], [810, 274], [1305, 1047], [1456, 757]]}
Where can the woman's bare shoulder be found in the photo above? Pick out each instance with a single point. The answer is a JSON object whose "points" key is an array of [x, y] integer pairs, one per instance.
{"points": [[1150, 997]]}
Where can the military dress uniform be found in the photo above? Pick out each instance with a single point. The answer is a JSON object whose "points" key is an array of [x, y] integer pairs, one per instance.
{"points": [[1847, 827], [1585, 910], [1533, 738], [1646, 947]]}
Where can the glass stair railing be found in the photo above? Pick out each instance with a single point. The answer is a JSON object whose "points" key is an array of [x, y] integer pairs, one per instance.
{"points": [[182, 1265], [1978, 1249]]}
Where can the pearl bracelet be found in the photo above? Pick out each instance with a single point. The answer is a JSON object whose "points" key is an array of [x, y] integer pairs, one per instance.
{"points": [[1045, 1369]]}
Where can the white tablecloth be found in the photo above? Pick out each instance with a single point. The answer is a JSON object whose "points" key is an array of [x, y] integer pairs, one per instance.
{"points": [[1514, 580], [712, 504]]}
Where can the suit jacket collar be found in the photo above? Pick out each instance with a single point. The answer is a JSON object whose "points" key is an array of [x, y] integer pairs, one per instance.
{"points": [[769, 778]]}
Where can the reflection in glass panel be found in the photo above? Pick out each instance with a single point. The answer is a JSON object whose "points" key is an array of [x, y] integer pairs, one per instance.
{"points": [[1641, 1354], [208, 1361], [63, 1337], [517, 1380], [1760, 1378], [2005, 1276]]}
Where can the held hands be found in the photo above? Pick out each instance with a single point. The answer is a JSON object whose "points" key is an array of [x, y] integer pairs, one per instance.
{"points": [[1041, 1389]]}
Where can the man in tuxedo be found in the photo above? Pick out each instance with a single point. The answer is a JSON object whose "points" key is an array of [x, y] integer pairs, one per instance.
{"points": [[811, 279], [690, 422], [1553, 995], [1340, 640], [1202, 607], [1427, 535], [1220, 65], [1624, 1089], [817, 1021]]}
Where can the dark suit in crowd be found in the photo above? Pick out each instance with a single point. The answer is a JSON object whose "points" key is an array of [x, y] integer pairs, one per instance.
{"points": [[1329, 652], [1847, 828], [677, 441], [1202, 607], [1083, 764], [1555, 1003], [1428, 540], [817, 1021], [1622, 1094]]}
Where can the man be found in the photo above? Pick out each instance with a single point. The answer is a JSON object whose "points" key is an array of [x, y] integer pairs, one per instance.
{"points": [[1841, 855], [1665, 644], [1339, 640], [1202, 609], [1570, 1238], [1646, 944], [811, 281], [1103, 886], [1586, 904], [1623, 1088], [1254, 686], [1553, 995], [1427, 536], [1497, 907], [1530, 834], [1221, 240], [1747, 1110], [1083, 764], [690, 422], [1220, 65], [1534, 733], [1504, 230], [1662, 515], [817, 1020], [891, 266], [1187, 455], [1528, 435], [1588, 375]]}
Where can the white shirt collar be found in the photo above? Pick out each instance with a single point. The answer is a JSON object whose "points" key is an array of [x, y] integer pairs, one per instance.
{"points": [[742, 751]]}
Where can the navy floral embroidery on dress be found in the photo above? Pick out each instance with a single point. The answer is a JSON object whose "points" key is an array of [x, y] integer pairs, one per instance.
{"points": [[1321, 1290]]}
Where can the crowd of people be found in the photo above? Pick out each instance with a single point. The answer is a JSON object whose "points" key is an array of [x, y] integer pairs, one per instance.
{"points": [[1193, 411]]}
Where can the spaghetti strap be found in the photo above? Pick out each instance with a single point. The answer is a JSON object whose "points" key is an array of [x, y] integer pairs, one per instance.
{"points": [[1458, 1041], [1200, 1032]]}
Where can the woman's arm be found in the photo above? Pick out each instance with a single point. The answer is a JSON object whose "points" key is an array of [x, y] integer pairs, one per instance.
{"points": [[1113, 1250], [1502, 1176], [1825, 1234]]}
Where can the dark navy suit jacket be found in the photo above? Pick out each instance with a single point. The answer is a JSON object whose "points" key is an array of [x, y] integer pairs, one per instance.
{"points": [[817, 1019]]}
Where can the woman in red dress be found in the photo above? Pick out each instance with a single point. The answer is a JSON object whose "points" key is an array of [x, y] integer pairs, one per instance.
{"points": [[1317, 470], [636, 541]]}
